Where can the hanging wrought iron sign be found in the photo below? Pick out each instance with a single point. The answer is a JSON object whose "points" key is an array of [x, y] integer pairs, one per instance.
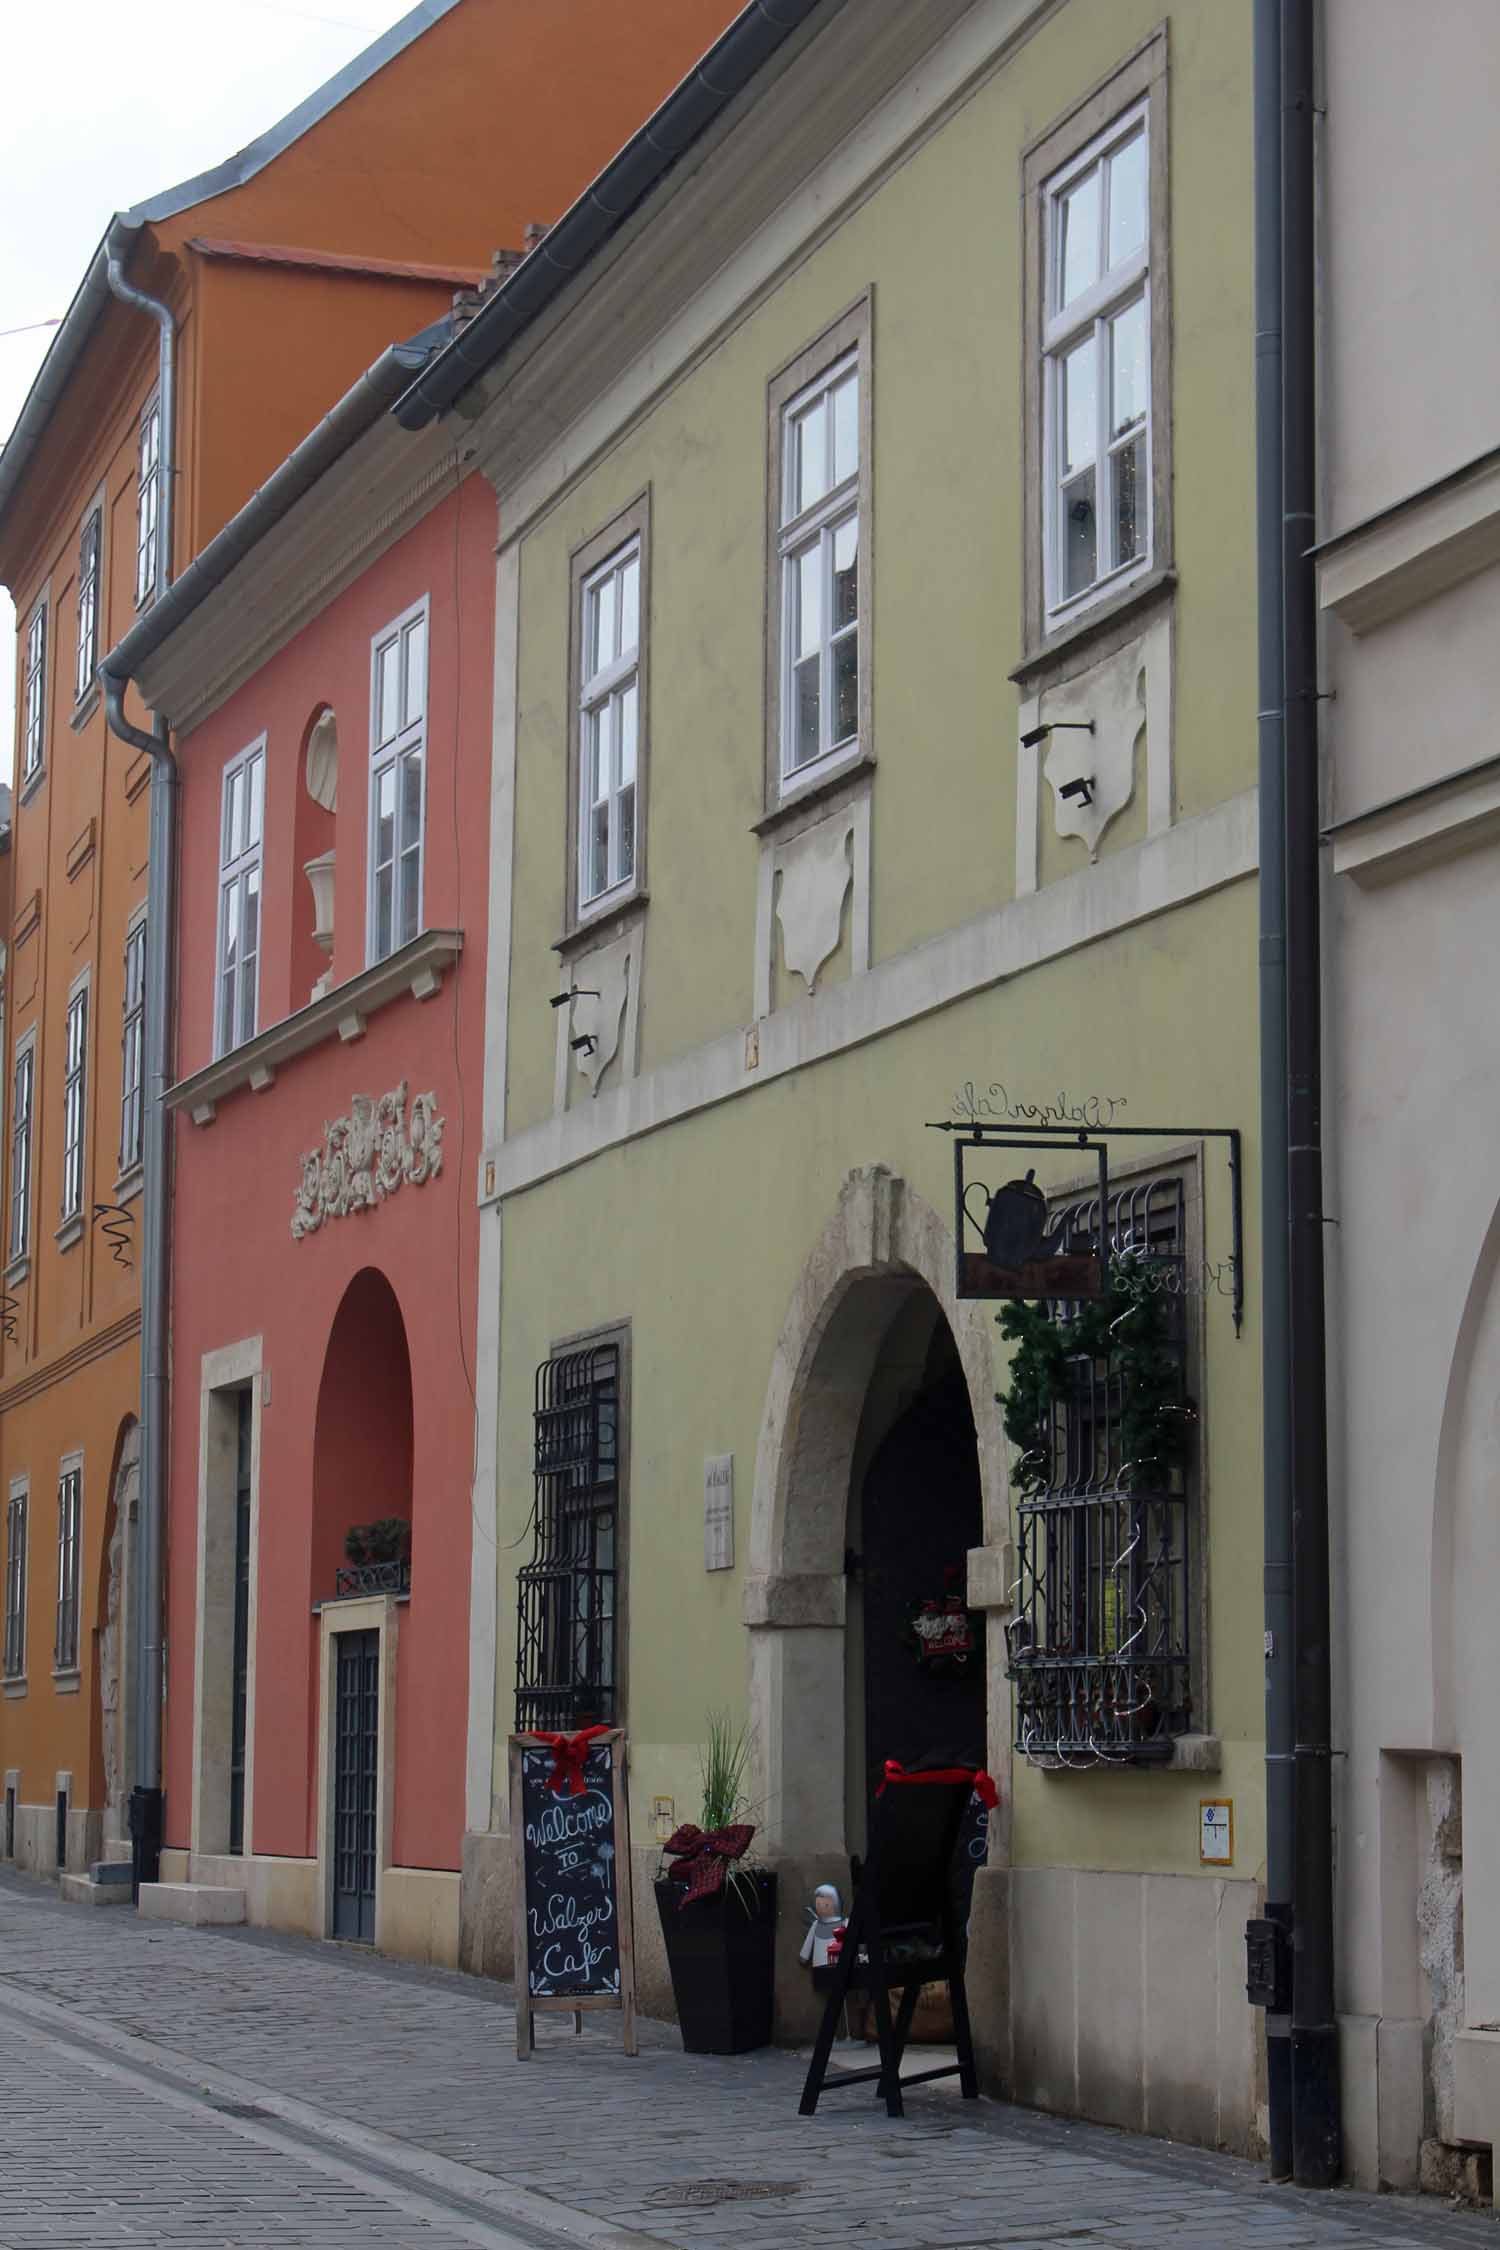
{"points": [[1005, 1246]]}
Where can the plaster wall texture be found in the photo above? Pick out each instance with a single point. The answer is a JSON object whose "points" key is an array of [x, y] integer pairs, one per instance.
{"points": [[237, 1177], [1409, 184], [740, 1237]]}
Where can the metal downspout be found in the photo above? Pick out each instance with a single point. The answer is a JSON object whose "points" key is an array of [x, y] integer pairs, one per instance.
{"points": [[1275, 1317], [1317, 2152], [146, 1796]]}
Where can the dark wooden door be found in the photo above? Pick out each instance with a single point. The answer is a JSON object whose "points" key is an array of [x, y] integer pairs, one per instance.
{"points": [[241, 1675], [355, 1784]]}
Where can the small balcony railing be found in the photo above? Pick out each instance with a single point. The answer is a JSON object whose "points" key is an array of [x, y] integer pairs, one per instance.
{"points": [[354, 1579]]}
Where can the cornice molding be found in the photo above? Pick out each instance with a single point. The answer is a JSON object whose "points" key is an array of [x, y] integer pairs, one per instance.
{"points": [[1412, 552], [419, 968], [82, 1355]]}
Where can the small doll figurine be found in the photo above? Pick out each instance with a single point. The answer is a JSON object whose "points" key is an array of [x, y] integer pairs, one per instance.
{"points": [[825, 1919]]}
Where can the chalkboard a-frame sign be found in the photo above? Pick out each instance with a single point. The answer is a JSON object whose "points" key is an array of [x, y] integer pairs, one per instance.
{"points": [[574, 1932]]}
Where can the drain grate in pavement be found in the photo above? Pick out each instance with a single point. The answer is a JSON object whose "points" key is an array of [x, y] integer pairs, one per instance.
{"points": [[685, 2193], [239, 2109]]}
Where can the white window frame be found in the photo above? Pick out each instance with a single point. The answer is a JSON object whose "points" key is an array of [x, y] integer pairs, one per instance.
{"points": [[22, 1145], [90, 598], [75, 1105], [133, 1048], [148, 504], [239, 858], [69, 1563], [407, 744], [34, 695], [1116, 288], [600, 692], [17, 1512], [817, 526]]}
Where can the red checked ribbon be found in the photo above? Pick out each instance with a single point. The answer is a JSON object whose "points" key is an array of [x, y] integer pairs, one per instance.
{"points": [[700, 1859], [981, 1784], [569, 1751]]}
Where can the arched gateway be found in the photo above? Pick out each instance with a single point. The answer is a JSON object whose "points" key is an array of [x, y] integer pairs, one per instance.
{"points": [[876, 1351]]}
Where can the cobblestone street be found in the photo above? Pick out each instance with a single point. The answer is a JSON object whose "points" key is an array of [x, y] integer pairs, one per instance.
{"points": [[166, 2086]]}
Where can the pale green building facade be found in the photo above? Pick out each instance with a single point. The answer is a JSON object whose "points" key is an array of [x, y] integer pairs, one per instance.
{"points": [[911, 414]]}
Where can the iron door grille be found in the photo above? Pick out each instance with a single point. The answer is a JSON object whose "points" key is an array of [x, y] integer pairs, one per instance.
{"points": [[1100, 1641], [356, 1773], [565, 1654]]}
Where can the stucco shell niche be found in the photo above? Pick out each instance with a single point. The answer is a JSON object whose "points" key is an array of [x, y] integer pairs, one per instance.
{"points": [[604, 1016], [1123, 696]]}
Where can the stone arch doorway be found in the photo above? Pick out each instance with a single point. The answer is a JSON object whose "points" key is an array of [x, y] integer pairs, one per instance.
{"points": [[111, 1749], [874, 1332]]}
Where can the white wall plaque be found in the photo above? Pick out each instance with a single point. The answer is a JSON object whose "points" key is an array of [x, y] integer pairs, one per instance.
{"points": [[1216, 1831], [718, 1512]]}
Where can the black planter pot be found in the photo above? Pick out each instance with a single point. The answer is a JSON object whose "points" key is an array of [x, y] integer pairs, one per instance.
{"points": [[722, 1955]]}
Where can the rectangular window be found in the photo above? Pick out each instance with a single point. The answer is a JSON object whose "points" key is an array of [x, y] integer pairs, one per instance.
{"points": [[90, 549], [148, 504], [34, 695], [609, 706], [1101, 1641], [21, 1121], [241, 822], [398, 745], [817, 644], [75, 1101], [566, 1657], [15, 1584], [1097, 425], [133, 1049], [69, 1514]]}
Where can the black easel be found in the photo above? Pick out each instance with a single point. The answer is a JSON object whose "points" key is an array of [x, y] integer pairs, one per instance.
{"points": [[903, 1896]]}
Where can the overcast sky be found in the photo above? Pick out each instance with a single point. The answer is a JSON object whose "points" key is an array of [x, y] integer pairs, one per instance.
{"points": [[110, 105]]}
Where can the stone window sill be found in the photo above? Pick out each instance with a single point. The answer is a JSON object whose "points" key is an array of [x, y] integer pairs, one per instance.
{"points": [[1191, 1753], [129, 1184], [31, 785], [601, 928], [417, 969], [18, 1270], [1059, 648], [797, 801], [70, 1232], [67, 1682], [15, 1688], [84, 709]]}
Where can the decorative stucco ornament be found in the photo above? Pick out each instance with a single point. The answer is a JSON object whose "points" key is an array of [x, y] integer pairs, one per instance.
{"points": [[816, 873], [367, 1156]]}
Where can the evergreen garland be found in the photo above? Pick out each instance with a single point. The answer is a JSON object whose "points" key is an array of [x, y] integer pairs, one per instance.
{"points": [[1126, 1326]]}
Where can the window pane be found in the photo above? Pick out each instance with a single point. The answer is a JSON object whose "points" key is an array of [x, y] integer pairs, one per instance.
{"points": [[846, 573], [1127, 352], [234, 801], [809, 456], [1080, 406], [411, 801], [627, 724], [250, 913], [1080, 536], [387, 692], [807, 617], [1078, 238], [846, 428], [1129, 472], [411, 884], [598, 872], [1127, 199], [383, 881], [255, 785], [846, 688], [599, 763], [226, 1011], [603, 601], [630, 604], [805, 743], [385, 816], [231, 923], [415, 638], [625, 812]]}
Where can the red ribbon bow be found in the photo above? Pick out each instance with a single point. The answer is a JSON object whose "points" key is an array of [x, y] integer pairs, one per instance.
{"points": [[700, 1859], [981, 1784], [569, 1752]]}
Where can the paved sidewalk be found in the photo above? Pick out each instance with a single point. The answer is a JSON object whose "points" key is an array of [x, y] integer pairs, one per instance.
{"points": [[228, 2088]]}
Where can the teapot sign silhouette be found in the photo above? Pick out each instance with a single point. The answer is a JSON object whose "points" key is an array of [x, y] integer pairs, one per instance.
{"points": [[1014, 1227]]}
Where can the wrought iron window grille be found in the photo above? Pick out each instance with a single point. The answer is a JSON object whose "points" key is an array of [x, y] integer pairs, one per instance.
{"points": [[565, 1651], [1100, 1641]]}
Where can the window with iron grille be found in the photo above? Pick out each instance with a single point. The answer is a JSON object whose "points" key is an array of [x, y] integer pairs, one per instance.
{"points": [[74, 1102], [566, 1654], [89, 551], [132, 1049], [34, 695], [148, 504], [69, 1514], [20, 1148], [1101, 1643], [15, 1583]]}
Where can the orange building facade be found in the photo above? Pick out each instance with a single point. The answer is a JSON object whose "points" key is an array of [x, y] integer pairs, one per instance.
{"points": [[285, 275]]}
